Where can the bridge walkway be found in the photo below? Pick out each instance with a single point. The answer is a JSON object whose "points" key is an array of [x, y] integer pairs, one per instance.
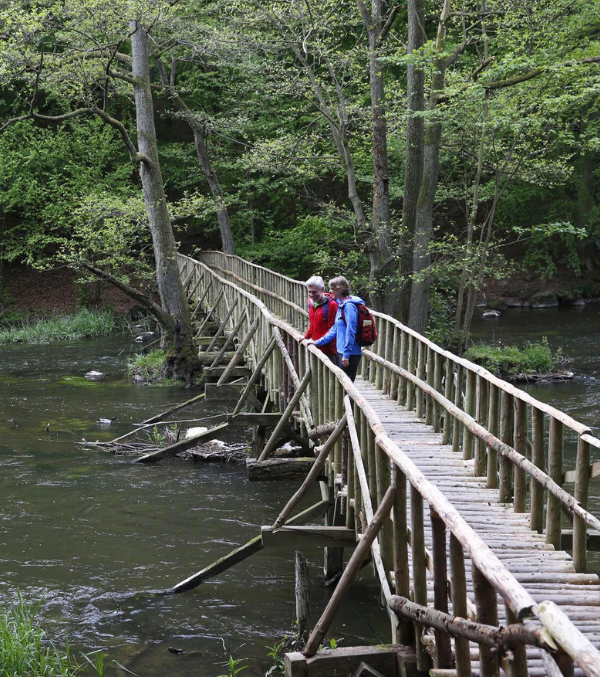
{"points": [[422, 427], [543, 571]]}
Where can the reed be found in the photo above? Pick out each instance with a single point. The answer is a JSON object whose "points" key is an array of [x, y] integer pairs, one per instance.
{"points": [[25, 649], [82, 325]]}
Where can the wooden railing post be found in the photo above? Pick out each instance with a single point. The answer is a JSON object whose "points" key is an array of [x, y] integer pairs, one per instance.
{"points": [[582, 482], [421, 367], [395, 358], [401, 570], [443, 653], [448, 391], [492, 455], [419, 564], [429, 402], [469, 409], [520, 445], [506, 435], [537, 458], [412, 368], [458, 397], [555, 470], [437, 384], [487, 613], [481, 415], [458, 582]]}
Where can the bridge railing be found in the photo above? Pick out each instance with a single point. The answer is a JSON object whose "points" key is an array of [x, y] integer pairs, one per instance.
{"points": [[383, 493], [535, 431]]}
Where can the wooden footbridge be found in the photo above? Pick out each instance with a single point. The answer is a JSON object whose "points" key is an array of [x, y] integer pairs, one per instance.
{"points": [[451, 481]]}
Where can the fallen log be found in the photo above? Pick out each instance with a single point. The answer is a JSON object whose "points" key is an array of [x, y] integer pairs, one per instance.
{"points": [[279, 469]]}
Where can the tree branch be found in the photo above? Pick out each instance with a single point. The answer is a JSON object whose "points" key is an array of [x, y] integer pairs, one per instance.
{"points": [[388, 24], [138, 296]]}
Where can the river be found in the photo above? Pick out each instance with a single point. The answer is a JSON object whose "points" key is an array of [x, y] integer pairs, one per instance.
{"points": [[91, 535]]}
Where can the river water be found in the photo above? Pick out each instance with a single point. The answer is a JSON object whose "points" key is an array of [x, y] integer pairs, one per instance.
{"points": [[92, 535]]}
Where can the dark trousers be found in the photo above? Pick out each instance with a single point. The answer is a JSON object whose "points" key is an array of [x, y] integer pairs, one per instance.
{"points": [[352, 368]]}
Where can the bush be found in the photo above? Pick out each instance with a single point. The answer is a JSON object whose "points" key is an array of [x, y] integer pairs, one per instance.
{"points": [[508, 360], [147, 365]]}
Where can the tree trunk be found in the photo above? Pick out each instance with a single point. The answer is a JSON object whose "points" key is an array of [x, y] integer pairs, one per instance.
{"points": [[415, 101], [180, 352], [199, 132], [419, 299], [383, 264]]}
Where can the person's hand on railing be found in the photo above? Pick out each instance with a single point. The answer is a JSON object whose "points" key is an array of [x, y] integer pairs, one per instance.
{"points": [[308, 342]]}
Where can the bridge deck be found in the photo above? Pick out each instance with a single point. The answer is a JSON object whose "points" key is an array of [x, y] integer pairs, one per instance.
{"points": [[545, 572]]}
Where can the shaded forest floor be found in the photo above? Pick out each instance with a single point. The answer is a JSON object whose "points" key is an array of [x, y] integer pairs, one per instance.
{"points": [[29, 292]]}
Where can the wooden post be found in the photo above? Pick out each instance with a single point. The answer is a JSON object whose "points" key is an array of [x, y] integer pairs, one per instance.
{"points": [[582, 482], [492, 421], [437, 384], [283, 421], [518, 661], [255, 376], [506, 435], [487, 613], [448, 389], [401, 571], [458, 379], [520, 445], [412, 368], [396, 359], [350, 572], [469, 409], [302, 597], [404, 342], [421, 366], [555, 465], [386, 538], [481, 414], [538, 459], [419, 568], [430, 408], [239, 353], [443, 654], [458, 581]]}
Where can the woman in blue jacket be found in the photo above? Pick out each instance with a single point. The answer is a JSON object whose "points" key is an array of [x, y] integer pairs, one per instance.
{"points": [[344, 328]]}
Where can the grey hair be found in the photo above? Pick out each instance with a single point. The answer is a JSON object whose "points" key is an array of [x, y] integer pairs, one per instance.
{"points": [[315, 281]]}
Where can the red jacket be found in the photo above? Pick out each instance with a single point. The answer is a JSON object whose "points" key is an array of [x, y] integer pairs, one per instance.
{"points": [[319, 325]]}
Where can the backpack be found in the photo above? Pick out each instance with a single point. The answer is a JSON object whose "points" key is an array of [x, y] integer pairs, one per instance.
{"points": [[366, 331]]}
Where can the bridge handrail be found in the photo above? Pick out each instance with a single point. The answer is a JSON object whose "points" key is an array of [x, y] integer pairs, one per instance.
{"points": [[503, 582]]}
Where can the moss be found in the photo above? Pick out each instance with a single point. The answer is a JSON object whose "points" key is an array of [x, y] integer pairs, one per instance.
{"points": [[533, 357]]}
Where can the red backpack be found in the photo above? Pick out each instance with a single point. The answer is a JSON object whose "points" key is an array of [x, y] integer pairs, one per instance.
{"points": [[366, 331]]}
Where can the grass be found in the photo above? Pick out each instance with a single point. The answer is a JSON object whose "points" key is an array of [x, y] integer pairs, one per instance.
{"points": [[24, 649], [533, 357], [84, 324], [147, 365]]}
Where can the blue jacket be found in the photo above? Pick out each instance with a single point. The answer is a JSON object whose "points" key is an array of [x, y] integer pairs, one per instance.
{"points": [[344, 332]]}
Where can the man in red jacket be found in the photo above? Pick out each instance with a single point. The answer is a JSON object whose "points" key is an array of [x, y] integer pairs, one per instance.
{"points": [[322, 309]]}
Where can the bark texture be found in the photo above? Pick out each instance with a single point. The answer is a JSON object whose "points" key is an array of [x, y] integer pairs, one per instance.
{"points": [[180, 353]]}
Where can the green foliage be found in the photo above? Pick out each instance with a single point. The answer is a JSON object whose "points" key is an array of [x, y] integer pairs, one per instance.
{"points": [[533, 357], [235, 666], [85, 324], [147, 365], [24, 647]]}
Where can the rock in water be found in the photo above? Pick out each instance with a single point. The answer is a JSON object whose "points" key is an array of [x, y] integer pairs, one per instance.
{"points": [[94, 375], [490, 313]]}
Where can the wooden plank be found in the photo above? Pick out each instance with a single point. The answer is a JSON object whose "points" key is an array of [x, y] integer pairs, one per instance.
{"points": [[296, 536], [182, 445], [222, 564], [390, 660]]}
